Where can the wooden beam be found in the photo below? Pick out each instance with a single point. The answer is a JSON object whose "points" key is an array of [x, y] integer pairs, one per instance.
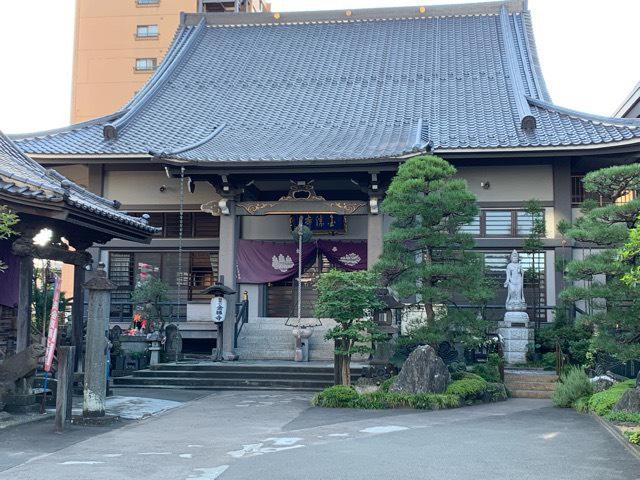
{"points": [[24, 247]]}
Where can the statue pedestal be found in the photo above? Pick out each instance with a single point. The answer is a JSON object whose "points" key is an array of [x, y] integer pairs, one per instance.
{"points": [[516, 335]]}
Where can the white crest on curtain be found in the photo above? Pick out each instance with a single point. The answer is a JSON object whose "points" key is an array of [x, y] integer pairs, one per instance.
{"points": [[350, 259], [282, 263]]}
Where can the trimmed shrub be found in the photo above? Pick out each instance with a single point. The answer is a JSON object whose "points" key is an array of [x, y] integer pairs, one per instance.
{"points": [[490, 370], [495, 392], [574, 384], [338, 396], [399, 400], [346, 397], [470, 387], [634, 437], [582, 404], [602, 402], [370, 401], [386, 385], [624, 417], [434, 401]]}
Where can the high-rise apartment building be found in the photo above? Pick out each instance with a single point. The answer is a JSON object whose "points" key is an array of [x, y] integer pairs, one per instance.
{"points": [[118, 44]]}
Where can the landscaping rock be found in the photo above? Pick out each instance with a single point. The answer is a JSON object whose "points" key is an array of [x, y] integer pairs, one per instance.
{"points": [[601, 382], [629, 402], [423, 372]]}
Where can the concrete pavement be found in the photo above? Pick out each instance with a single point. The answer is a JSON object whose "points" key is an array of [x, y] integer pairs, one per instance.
{"points": [[277, 435]]}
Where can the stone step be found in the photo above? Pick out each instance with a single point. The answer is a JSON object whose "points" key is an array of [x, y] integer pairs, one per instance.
{"points": [[207, 383], [530, 393], [240, 368], [532, 378], [538, 386], [222, 375]]}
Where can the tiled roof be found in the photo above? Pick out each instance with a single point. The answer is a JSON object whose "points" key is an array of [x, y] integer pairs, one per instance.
{"points": [[22, 176], [341, 85]]}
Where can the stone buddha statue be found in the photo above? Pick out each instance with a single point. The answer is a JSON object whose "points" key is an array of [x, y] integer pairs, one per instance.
{"points": [[514, 284]]}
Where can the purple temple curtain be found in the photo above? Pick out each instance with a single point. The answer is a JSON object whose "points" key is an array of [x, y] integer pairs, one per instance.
{"points": [[345, 255], [9, 279], [264, 262]]}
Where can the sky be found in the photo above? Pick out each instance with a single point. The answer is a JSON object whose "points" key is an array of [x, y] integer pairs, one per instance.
{"points": [[588, 51]]}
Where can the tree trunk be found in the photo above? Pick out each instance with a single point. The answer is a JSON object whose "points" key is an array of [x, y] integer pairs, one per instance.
{"points": [[428, 305], [337, 364], [346, 370]]}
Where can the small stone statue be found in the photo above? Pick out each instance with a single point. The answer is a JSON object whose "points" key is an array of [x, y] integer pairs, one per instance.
{"points": [[514, 284]]}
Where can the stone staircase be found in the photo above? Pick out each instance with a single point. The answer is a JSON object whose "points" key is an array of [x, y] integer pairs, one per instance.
{"points": [[530, 382], [263, 375], [270, 339]]}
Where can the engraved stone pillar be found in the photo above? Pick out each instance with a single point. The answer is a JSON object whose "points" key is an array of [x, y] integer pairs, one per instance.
{"points": [[95, 376]]}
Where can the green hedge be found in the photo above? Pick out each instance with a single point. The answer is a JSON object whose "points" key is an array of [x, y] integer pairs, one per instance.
{"points": [[340, 396], [469, 387]]}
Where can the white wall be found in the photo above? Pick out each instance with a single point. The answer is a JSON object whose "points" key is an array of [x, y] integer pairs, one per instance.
{"points": [[516, 183], [143, 188]]}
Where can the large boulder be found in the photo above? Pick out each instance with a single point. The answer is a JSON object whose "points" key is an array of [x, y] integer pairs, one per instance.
{"points": [[423, 372], [601, 383], [629, 402]]}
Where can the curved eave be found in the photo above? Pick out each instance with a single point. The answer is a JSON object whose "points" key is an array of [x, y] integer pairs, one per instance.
{"points": [[614, 122], [631, 145]]}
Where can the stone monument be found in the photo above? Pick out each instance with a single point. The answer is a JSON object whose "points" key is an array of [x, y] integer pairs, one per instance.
{"points": [[514, 329]]}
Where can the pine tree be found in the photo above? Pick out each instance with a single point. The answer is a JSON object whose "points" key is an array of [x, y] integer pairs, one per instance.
{"points": [[426, 255], [613, 305], [349, 298]]}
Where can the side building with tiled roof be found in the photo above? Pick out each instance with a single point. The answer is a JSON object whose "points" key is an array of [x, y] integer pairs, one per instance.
{"points": [[269, 116]]}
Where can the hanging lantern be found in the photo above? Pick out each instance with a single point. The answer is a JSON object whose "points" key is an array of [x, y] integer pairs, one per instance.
{"points": [[306, 233]]}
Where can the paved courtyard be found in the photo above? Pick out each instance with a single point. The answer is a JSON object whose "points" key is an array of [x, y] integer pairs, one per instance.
{"points": [[277, 435]]}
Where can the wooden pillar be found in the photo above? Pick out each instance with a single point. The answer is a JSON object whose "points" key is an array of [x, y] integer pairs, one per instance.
{"points": [[375, 232], [561, 210], [77, 317], [229, 232], [64, 391], [23, 327]]}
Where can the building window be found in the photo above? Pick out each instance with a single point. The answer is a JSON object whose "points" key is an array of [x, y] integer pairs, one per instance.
{"points": [[578, 194], [194, 224], [146, 64], [501, 223], [147, 2], [147, 31], [219, 6], [200, 270]]}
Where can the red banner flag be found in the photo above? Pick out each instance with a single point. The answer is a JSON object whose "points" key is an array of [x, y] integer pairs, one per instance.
{"points": [[52, 337]]}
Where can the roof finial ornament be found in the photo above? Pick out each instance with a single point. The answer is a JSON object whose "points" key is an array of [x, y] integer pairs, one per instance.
{"points": [[109, 132]]}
